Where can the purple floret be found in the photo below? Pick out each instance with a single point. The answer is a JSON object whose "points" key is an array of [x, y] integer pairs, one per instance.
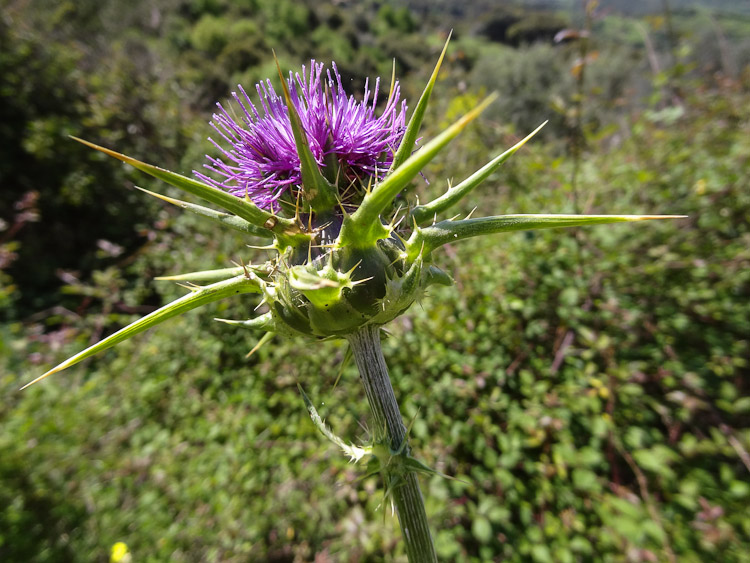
{"points": [[261, 160]]}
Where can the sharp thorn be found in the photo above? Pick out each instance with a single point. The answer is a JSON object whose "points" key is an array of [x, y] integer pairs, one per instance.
{"points": [[264, 339]]}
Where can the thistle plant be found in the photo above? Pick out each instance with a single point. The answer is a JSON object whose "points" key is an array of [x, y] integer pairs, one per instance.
{"points": [[321, 178]]}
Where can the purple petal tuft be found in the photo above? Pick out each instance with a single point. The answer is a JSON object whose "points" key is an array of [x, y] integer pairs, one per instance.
{"points": [[258, 157]]}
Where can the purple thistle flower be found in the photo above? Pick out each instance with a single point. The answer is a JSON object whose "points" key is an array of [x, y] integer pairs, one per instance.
{"points": [[262, 161]]}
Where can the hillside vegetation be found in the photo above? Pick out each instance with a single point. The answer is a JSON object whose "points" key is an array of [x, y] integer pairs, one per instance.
{"points": [[589, 390]]}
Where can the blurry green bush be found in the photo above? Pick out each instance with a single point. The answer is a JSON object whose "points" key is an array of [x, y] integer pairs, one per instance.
{"points": [[591, 390]]}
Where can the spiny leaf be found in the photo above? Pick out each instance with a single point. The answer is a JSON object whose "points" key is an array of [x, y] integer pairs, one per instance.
{"points": [[415, 122], [412, 464], [263, 322], [434, 275], [206, 276], [345, 362], [226, 219], [355, 453], [196, 298], [444, 232], [423, 213], [265, 339], [286, 230], [364, 227]]}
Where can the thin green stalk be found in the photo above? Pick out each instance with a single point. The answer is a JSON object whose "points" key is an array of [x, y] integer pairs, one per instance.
{"points": [[390, 433]]}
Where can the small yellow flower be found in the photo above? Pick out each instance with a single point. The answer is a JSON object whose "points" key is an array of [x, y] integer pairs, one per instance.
{"points": [[120, 553]]}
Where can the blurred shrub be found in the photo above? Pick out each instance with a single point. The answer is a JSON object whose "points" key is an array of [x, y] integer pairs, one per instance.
{"points": [[537, 83], [44, 101], [589, 389], [528, 79]]}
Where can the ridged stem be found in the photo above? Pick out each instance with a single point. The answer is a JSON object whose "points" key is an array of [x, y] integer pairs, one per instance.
{"points": [[389, 430]]}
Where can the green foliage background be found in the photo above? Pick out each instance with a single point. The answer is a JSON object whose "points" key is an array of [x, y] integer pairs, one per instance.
{"points": [[588, 389]]}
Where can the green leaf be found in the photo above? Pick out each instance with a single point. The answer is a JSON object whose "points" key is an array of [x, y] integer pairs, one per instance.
{"points": [[363, 227], [226, 219], [427, 212], [427, 239], [481, 529], [585, 480], [286, 230], [197, 297], [415, 122], [654, 530], [540, 554]]}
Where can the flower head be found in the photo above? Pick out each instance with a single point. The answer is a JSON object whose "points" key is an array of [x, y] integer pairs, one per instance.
{"points": [[350, 143]]}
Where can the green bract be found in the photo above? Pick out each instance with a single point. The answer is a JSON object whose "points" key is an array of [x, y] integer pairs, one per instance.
{"points": [[338, 269]]}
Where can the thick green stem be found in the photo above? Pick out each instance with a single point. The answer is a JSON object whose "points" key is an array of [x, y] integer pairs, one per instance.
{"points": [[389, 431]]}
